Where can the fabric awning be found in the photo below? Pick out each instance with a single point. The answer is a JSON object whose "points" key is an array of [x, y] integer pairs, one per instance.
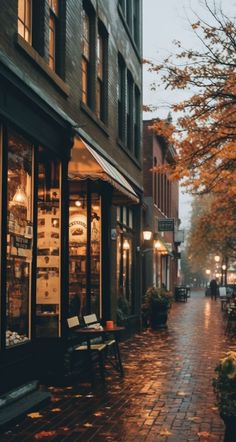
{"points": [[86, 163]]}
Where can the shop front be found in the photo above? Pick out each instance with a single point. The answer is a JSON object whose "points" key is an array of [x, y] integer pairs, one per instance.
{"points": [[103, 235], [34, 152]]}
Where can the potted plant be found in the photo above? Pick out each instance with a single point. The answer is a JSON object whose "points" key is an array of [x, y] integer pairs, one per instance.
{"points": [[224, 385], [157, 302]]}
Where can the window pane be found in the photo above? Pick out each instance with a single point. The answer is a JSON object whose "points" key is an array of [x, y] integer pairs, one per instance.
{"points": [[21, 10], [25, 19], [48, 246], [21, 29], [19, 239], [77, 254], [95, 254], [28, 14], [53, 4], [52, 36]]}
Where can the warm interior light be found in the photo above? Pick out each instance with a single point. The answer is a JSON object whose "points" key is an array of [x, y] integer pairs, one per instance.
{"points": [[224, 267], [126, 245], [217, 258], [217, 275], [20, 197], [157, 244], [208, 271], [78, 203], [147, 234]]}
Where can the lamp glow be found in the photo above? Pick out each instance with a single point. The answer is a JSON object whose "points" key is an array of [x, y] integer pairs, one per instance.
{"points": [[147, 234], [126, 245]]}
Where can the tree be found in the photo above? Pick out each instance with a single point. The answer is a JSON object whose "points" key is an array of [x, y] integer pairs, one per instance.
{"points": [[205, 132]]}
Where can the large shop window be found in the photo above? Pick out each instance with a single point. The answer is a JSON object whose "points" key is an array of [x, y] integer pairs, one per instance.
{"points": [[125, 260], [19, 239], [48, 246], [84, 254]]}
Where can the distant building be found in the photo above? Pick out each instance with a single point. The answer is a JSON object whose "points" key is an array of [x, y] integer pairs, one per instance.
{"points": [[160, 212]]}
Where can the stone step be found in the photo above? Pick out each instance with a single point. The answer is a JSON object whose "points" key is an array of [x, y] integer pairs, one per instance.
{"points": [[19, 402]]}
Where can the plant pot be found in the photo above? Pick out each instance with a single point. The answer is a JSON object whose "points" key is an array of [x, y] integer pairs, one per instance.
{"points": [[230, 428], [158, 319]]}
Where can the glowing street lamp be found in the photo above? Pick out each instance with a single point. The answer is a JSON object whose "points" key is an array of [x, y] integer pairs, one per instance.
{"points": [[217, 258]]}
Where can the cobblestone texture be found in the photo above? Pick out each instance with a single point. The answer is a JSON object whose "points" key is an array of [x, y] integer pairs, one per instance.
{"points": [[166, 394]]}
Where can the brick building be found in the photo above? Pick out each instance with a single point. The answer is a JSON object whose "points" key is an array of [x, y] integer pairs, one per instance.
{"points": [[71, 181], [161, 203]]}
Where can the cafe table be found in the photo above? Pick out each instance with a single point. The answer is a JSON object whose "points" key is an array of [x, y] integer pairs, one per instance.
{"points": [[89, 333]]}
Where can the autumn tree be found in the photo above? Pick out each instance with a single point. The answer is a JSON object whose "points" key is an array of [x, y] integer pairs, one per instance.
{"points": [[204, 134]]}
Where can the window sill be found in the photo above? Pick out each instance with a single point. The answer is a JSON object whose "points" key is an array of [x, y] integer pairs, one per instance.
{"points": [[130, 154], [93, 117], [36, 58]]}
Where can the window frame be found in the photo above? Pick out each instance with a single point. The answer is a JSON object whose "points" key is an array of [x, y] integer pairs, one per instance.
{"points": [[23, 21]]}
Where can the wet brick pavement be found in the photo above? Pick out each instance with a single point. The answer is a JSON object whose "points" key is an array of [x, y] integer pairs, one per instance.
{"points": [[166, 394]]}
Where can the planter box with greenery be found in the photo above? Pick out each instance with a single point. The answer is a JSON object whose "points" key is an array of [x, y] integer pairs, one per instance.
{"points": [[155, 308], [225, 388]]}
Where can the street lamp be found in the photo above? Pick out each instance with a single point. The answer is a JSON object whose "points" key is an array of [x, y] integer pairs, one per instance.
{"points": [[147, 234], [217, 258]]}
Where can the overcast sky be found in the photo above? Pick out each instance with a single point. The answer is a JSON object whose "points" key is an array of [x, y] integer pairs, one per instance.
{"points": [[163, 22]]}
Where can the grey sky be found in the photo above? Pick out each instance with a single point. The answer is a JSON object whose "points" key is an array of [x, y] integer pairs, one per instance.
{"points": [[163, 22]]}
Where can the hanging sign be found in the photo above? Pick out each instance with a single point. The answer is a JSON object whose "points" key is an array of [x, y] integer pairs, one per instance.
{"points": [[166, 225]]}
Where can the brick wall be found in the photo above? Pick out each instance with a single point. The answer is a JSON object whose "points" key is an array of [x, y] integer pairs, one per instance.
{"points": [[66, 94]]}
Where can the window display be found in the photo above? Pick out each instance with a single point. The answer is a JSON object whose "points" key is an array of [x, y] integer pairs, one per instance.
{"points": [[80, 253], [48, 246], [19, 238]]}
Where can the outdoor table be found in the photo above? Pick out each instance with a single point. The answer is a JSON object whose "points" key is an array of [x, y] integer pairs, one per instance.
{"points": [[90, 333]]}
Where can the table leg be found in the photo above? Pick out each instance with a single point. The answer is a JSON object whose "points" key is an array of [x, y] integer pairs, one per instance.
{"points": [[119, 357]]}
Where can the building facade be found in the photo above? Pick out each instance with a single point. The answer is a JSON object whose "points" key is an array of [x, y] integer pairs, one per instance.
{"points": [[71, 181], [160, 213]]}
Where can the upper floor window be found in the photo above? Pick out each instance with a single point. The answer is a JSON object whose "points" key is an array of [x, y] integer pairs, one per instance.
{"points": [[131, 14], [121, 98], [25, 19], [101, 73], [53, 25], [137, 113], [129, 116], [85, 67]]}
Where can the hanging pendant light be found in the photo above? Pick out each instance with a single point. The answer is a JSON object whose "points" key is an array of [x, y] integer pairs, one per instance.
{"points": [[20, 198]]}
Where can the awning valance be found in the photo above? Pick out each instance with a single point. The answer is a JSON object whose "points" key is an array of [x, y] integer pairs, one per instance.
{"points": [[86, 163]]}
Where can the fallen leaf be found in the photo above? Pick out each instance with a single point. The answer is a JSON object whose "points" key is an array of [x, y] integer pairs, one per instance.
{"points": [[35, 415], [194, 419], [43, 434], [203, 434], [165, 433], [98, 413], [56, 410], [88, 425]]}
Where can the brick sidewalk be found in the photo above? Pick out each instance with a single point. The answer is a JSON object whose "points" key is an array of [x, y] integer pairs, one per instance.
{"points": [[166, 394]]}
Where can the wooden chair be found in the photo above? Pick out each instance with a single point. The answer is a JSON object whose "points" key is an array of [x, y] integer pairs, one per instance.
{"points": [[96, 348], [92, 321], [111, 355]]}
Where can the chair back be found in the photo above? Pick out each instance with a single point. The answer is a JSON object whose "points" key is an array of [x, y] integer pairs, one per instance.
{"points": [[91, 320], [73, 322]]}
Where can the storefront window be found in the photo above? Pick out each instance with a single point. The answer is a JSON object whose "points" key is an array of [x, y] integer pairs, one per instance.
{"points": [[19, 239], [84, 254], [125, 262], [95, 254], [77, 254], [48, 246]]}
